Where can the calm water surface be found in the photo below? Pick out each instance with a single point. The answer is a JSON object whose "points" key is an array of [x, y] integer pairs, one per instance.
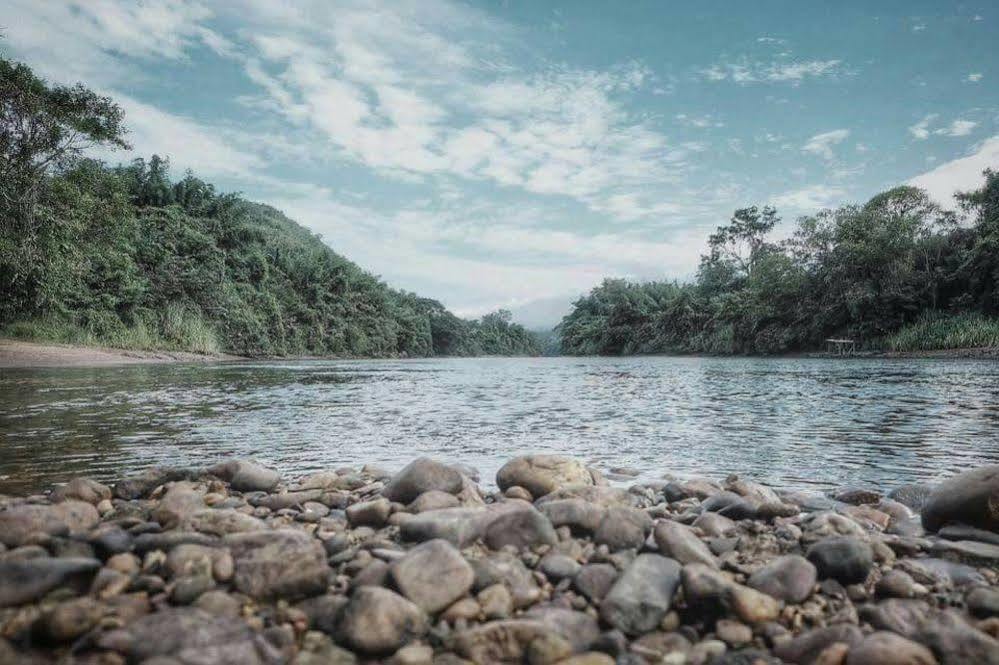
{"points": [[787, 422]]}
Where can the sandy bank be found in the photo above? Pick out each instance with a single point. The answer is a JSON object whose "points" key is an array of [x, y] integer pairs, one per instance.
{"points": [[15, 353]]}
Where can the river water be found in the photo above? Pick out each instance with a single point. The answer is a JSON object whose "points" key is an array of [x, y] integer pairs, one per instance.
{"points": [[788, 422]]}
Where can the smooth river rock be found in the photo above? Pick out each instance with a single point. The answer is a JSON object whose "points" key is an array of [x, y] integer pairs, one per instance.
{"points": [[378, 621], [542, 474], [642, 595], [422, 475], [432, 575], [246, 475], [282, 563], [790, 578], [970, 498], [844, 559]]}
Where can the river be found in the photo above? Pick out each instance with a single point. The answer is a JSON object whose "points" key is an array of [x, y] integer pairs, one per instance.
{"points": [[807, 422]]}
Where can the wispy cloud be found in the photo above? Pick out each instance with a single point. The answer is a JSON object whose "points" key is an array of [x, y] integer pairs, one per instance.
{"points": [[957, 128], [745, 71], [822, 144], [809, 199], [921, 130], [973, 77]]}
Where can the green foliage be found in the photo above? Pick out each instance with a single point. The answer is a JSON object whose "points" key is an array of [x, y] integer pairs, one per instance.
{"points": [[126, 257], [934, 331], [870, 273]]}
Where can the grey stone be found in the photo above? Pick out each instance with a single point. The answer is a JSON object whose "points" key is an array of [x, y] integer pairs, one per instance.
{"points": [[520, 528], [594, 580], [790, 578], [246, 475], [623, 528], [642, 595], [422, 475], [283, 563], [681, 543], [433, 575], [30, 579], [377, 621], [970, 498], [844, 559], [542, 474]]}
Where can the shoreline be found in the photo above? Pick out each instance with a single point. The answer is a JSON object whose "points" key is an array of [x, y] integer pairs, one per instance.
{"points": [[18, 354], [426, 566]]}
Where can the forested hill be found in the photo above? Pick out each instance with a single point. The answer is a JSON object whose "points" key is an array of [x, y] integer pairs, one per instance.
{"points": [[124, 256], [897, 273]]}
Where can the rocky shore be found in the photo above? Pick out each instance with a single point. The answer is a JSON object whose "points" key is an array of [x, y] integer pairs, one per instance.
{"points": [[236, 565]]}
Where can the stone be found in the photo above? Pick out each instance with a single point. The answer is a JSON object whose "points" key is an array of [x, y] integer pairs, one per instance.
{"points": [[681, 543], [520, 529], [543, 474], [318, 649], [558, 566], [715, 525], [733, 633], [369, 513], [711, 594], [432, 575], [896, 584], [69, 620], [433, 500], [504, 641], [285, 500], [246, 475], [548, 648], [885, 648], [30, 579], [137, 487], [642, 595], [983, 602], [912, 496], [931, 570], [190, 559], [323, 612], [968, 551], [459, 526], [789, 578], [580, 516], [844, 559], [806, 647], [190, 636], [508, 569], [19, 524], [283, 563], [422, 475], [222, 521], [219, 603], [594, 580], [970, 498], [495, 602], [623, 527], [378, 622], [180, 500], [188, 589], [82, 489]]}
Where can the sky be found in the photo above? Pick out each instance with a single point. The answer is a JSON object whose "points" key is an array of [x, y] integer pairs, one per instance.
{"points": [[514, 153]]}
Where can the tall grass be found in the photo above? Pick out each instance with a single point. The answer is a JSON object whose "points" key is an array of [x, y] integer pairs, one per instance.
{"points": [[179, 327], [930, 333]]}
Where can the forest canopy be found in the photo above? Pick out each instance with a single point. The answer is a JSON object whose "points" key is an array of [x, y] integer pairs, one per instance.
{"points": [[896, 273], [127, 256]]}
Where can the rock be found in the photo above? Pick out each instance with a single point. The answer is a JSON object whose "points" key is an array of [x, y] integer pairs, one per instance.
{"points": [[896, 584], [733, 633], [857, 496], [369, 513], [413, 654], [884, 648], [939, 571], [189, 559], [579, 628], [282, 563], [72, 619], [433, 575], [377, 621], [433, 500], [642, 595], [806, 647], [520, 528], [968, 551], [181, 499], [459, 526], [495, 602], [188, 589], [141, 485], [542, 474], [710, 594], [580, 516], [285, 500], [970, 498], [190, 636], [948, 634], [508, 569], [28, 580], [983, 602], [713, 524], [222, 521], [681, 543], [82, 489], [318, 649], [965, 532], [844, 559], [19, 524], [246, 475], [422, 475], [548, 648], [790, 578], [323, 612], [499, 641], [558, 566], [623, 527], [594, 580], [218, 603]]}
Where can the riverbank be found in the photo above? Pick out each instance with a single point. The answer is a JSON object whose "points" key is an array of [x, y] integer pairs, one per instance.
{"points": [[235, 564], [19, 354]]}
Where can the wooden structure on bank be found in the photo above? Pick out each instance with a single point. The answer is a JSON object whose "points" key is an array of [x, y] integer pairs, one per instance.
{"points": [[841, 347]]}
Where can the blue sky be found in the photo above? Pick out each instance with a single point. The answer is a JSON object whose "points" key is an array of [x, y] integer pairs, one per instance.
{"points": [[513, 154]]}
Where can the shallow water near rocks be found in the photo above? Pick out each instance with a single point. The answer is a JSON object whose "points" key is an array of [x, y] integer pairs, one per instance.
{"points": [[816, 423]]}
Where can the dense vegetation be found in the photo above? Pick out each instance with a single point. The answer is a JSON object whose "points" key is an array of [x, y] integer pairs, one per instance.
{"points": [[896, 273], [125, 256]]}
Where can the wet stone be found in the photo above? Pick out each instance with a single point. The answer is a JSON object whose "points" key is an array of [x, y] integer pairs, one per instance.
{"points": [[642, 595], [846, 560]]}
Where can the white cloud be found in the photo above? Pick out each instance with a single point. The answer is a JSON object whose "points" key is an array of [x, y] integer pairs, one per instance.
{"points": [[961, 174], [745, 72], [809, 199], [973, 77], [957, 128], [920, 130], [822, 144]]}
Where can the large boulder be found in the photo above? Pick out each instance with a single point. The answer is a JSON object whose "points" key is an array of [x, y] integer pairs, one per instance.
{"points": [[246, 475], [542, 474], [642, 595], [432, 575], [377, 621], [283, 563], [19, 524], [422, 475], [970, 498]]}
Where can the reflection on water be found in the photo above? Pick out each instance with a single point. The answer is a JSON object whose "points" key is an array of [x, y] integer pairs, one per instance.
{"points": [[790, 422]]}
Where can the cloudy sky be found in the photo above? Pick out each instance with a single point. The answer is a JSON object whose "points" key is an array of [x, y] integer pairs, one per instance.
{"points": [[515, 152]]}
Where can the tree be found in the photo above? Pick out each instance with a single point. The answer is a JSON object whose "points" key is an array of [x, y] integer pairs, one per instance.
{"points": [[44, 127]]}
